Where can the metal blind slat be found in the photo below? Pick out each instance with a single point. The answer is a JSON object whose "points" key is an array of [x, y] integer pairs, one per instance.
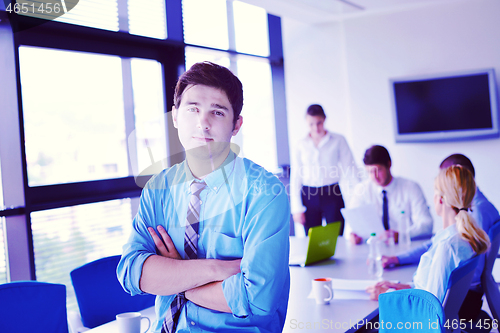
{"points": [[66, 238]]}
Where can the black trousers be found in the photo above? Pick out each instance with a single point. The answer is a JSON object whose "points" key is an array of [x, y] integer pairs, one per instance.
{"points": [[323, 202]]}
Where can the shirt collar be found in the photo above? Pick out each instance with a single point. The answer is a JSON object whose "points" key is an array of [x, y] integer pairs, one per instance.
{"points": [[323, 141], [388, 188], [216, 178], [445, 233]]}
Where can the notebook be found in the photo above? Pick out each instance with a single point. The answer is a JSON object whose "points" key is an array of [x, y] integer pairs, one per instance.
{"points": [[322, 241]]}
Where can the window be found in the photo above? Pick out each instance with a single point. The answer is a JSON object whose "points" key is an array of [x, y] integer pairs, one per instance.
{"points": [[147, 84], [73, 116], [258, 130], [205, 23], [138, 17], [66, 238], [147, 18], [251, 32]]}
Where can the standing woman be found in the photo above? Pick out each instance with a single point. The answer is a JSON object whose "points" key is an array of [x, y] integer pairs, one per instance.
{"points": [[321, 159], [460, 239]]}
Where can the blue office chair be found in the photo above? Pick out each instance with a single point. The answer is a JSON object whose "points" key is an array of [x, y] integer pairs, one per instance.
{"points": [[99, 294], [458, 286], [32, 306], [488, 282], [418, 309]]}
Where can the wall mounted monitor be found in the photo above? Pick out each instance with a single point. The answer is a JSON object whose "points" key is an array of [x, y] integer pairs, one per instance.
{"points": [[444, 107]]}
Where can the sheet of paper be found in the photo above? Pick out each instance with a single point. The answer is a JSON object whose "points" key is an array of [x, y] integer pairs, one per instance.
{"points": [[349, 289], [354, 285], [363, 220]]}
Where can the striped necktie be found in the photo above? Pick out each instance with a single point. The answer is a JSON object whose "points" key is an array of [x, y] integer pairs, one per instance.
{"points": [[191, 250]]}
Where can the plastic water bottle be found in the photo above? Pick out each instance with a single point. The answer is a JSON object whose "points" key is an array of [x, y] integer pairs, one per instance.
{"points": [[404, 230], [375, 269]]}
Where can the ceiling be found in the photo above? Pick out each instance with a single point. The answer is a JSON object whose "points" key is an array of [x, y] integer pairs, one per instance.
{"points": [[321, 11]]}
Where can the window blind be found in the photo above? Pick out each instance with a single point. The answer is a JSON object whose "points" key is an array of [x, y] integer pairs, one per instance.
{"points": [[66, 238]]}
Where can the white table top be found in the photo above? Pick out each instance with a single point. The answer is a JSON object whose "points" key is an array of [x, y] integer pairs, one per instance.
{"points": [[349, 262]]}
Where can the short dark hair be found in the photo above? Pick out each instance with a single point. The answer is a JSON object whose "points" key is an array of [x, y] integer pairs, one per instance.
{"points": [[377, 155], [212, 75], [458, 159], [315, 110]]}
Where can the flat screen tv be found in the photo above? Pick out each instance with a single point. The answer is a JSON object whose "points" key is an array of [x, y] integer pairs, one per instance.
{"points": [[453, 106]]}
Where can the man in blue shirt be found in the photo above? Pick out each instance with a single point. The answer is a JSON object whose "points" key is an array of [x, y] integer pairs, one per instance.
{"points": [[239, 279]]}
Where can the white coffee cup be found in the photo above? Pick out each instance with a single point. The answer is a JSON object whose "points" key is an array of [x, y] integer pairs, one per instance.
{"points": [[130, 322], [322, 290]]}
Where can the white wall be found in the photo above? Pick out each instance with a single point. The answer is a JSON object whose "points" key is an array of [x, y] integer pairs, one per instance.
{"points": [[371, 49]]}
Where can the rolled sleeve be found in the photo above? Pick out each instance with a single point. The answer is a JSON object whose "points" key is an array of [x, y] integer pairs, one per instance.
{"points": [[139, 246], [264, 279]]}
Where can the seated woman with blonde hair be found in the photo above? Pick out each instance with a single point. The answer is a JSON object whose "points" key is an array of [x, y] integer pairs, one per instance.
{"points": [[460, 239]]}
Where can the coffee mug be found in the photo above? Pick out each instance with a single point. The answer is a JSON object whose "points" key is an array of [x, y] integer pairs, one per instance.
{"points": [[322, 290], [130, 322]]}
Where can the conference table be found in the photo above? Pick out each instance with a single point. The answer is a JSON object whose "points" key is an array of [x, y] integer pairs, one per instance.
{"points": [[340, 315], [344, 314]]}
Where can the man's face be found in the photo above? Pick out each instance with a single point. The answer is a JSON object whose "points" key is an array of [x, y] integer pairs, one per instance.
{"points": [[379, 174], [316, 126], [205, 122]]}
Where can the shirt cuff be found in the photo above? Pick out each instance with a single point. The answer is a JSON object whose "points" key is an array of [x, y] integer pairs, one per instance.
{"points": [[236, 296]]}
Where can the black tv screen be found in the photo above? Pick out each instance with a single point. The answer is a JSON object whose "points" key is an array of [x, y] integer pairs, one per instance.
{"points": [[445, 107]]}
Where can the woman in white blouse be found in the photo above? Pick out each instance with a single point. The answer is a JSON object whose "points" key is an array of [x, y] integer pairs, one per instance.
{"points": [[320, 161], [460, 239]]}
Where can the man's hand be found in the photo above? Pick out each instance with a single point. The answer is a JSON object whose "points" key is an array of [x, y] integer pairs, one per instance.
{"points": [[382, 286], [355, 239], [299, 218], [164, 245], [390, 261]]}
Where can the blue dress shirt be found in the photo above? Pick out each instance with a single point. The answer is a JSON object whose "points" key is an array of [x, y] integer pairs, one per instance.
{"points": [[447, 251], [485, 215], [244, 214]]}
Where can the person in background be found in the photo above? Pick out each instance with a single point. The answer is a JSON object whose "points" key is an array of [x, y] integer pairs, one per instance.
{"points": [[320, 161], [460, 239], [211, 235], [392, 195], [483, 212]]}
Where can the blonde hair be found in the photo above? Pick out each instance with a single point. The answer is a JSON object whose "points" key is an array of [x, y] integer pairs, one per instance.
{"points": [[457, 187]]}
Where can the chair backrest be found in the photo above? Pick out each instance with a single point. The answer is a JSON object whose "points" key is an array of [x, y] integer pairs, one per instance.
{"points": [[99, 293], [458, 286], [488, 282], [410, 310], [32, 306]]}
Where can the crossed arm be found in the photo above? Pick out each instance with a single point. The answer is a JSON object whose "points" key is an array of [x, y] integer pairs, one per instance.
{"points": [[200, 279]]}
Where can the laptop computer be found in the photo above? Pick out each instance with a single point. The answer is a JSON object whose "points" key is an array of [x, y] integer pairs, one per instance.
{"points": [[322, 241]]}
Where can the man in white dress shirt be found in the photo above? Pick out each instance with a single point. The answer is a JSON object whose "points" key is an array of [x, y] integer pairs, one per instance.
{"points": [[401, 195], [321, 159]]}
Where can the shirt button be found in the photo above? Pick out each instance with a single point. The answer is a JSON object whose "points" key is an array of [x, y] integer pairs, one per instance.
{"points": [[201, 201], [215, 188], [192, 323]]}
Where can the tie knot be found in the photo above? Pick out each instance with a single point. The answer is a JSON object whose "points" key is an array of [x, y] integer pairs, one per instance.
{"points": [[197, 187], [384, 192]]}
